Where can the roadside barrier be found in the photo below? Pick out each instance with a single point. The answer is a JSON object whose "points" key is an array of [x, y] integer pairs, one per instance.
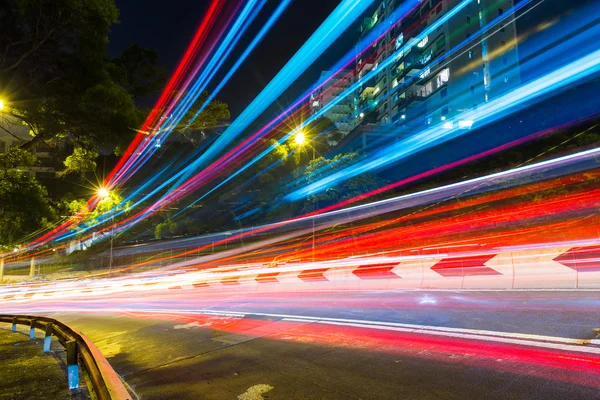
{"points": [[104, 381]]}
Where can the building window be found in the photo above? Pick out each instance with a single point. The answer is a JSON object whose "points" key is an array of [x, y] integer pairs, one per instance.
{"points": [[444, 92], [505, 79], [428, 88], [472, 89], [470, 54], [443, 76], [474, 107], [399, 41], [445, 110], [468, 19], [500, 11], [423, 42], [505, 60]]}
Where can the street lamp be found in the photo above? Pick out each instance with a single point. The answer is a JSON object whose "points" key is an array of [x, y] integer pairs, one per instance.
{"points": [[103, 193], [1, 104], [300, 138]]}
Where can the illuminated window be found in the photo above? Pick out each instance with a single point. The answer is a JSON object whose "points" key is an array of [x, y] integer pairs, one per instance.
{"points": [[428, 88], [465, 124], [443, 76], [444, 92], [399, 41], [425, 73], [394, 83], [423, 42], [470, 54]]}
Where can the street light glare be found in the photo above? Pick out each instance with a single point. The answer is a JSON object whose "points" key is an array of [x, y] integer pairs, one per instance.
{"points": [[1, 104], [103, 193], [300, 139]]}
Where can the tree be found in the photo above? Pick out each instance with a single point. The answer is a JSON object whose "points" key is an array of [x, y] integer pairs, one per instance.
{"points": [[216, 114], [353, 187], [137, 70], [58, 79], [80, 162], [24, 205]]}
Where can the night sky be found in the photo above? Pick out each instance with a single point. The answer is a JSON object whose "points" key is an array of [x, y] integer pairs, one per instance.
{"points": [[168, 26]]}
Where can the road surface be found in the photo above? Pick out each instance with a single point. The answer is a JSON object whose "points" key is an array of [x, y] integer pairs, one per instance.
{"points": [[345, 344]]}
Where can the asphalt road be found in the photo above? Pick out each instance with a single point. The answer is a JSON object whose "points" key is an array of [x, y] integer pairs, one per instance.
{"points": [[345, 345]]}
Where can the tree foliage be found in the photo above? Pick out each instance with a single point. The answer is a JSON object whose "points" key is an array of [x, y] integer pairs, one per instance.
{"points": [[215, 114], [24, 204], [58, 80], [320, 167], [80, 162]]}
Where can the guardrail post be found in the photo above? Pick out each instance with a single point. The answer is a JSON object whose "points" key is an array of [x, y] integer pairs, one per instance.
{"points": [[72, 366], [32, 268], [1, 269], [14, 325], [48, 338], [32, 329]]}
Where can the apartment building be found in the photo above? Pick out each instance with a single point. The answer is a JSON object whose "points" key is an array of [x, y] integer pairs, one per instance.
{"points": [[340, 113], [457, 67]]}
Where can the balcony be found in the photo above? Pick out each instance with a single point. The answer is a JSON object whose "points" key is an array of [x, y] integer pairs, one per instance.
{"points": [[367, 24]]}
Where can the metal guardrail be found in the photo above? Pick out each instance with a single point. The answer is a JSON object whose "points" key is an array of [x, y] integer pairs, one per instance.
{"points": [[105, 382]]}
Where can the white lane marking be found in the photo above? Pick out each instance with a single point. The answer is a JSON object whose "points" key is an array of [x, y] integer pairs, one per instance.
{"points": [[560, 343], [396, 324], [556, 346], [554, 342]]}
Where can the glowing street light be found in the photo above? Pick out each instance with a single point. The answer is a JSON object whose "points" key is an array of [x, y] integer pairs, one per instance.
{"points": [[300, 138], [1, 104], [103, 193]]}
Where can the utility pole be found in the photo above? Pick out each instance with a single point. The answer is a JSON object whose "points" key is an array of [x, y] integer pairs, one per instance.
{"points": [[314, 209]]}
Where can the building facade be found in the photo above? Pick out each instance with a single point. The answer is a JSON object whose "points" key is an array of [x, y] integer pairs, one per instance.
{"points": [[329, 89], [457, 67]]}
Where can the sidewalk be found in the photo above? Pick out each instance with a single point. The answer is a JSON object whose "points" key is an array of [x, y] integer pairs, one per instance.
{"points": [[27, 372]]}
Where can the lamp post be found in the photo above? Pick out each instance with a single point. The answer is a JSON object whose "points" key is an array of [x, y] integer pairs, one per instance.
{"points": [[301, 140], [104, 194]]}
